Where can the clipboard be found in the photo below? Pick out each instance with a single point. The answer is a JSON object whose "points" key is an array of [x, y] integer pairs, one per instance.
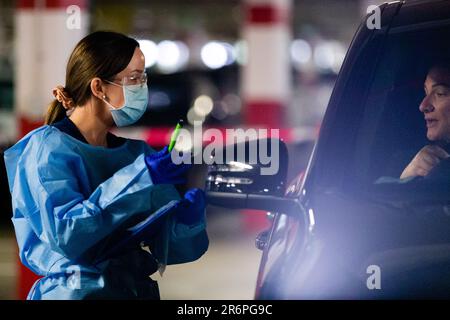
{"points": [[142, 231]]}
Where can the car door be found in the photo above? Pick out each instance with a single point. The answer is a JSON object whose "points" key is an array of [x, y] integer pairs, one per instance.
{"points": [[360, 232]]}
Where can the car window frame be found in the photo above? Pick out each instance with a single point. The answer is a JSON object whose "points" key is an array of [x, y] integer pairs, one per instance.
{"points": [[322, 168]]}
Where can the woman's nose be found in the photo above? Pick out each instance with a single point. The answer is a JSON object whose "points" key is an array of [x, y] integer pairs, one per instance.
{"points": [[426, 105]]}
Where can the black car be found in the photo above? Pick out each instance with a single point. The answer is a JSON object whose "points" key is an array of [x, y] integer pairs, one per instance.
{"points": [[348, 227]]}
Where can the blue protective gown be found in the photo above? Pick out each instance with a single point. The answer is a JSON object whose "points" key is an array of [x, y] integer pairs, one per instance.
{"points": [[71, 200]]}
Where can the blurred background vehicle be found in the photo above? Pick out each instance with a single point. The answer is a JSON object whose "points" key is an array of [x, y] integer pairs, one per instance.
{"points": [[225, 63]]}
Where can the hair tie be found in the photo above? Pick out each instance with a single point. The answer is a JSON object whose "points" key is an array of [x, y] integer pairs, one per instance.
{"points": [[61, 95]]}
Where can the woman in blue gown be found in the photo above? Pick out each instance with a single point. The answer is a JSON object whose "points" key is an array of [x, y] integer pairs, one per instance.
{"points": [[76, 187]]}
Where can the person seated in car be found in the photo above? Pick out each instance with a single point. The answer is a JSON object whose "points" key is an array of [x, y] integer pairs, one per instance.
{"points": [[435, 107]]}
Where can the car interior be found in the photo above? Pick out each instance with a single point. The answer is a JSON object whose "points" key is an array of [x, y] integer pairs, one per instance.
{"points": [[392, 129]]}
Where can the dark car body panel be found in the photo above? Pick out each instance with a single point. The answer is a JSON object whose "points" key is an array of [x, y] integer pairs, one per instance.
{"points": [[338, 237]]}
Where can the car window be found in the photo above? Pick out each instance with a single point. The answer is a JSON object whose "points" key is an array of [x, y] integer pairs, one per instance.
{"points": [[386, 127], [336, 143], [393, 128]]}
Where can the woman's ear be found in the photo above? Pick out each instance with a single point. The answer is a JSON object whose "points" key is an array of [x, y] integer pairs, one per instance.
{"points": [[97, 88]]}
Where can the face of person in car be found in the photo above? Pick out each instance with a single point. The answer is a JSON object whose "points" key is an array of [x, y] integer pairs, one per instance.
{"points": [[436, 104]]}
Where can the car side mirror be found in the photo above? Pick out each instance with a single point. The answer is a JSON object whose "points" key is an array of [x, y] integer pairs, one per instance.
{"points": [[252, 175]]}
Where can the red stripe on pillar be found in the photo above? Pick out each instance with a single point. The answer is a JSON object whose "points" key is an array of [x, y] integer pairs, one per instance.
{"points": [[268, 114], [25, 280], [266, 14], [55, 4], [264, 113], [51, 4], [27, 125], [25, 4]]}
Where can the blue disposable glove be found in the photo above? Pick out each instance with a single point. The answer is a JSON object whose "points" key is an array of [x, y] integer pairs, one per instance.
{"points": [[192, 208], [163, 170]]}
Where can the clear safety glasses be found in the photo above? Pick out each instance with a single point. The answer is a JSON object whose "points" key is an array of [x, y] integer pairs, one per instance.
{"points": [[133, 80]]}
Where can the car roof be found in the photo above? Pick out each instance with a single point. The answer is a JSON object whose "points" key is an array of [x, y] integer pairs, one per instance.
{"points": [[408, 2], [414, 12]]}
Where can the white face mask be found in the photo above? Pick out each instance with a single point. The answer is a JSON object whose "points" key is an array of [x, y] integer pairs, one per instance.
{"points": [[136, 101]]}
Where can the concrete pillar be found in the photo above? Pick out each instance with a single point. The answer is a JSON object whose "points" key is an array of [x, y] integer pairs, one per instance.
{"points": [[45, 34], [266, 81]]}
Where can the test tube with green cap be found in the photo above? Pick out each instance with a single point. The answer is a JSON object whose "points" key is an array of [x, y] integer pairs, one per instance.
{"points": [[175, 134]]}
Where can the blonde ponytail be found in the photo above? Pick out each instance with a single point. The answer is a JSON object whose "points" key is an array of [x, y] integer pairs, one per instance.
{"points": [[55, 112]]}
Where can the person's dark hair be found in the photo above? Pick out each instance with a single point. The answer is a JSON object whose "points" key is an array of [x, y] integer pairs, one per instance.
{"points": [[442, 63], [101, 54]]}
